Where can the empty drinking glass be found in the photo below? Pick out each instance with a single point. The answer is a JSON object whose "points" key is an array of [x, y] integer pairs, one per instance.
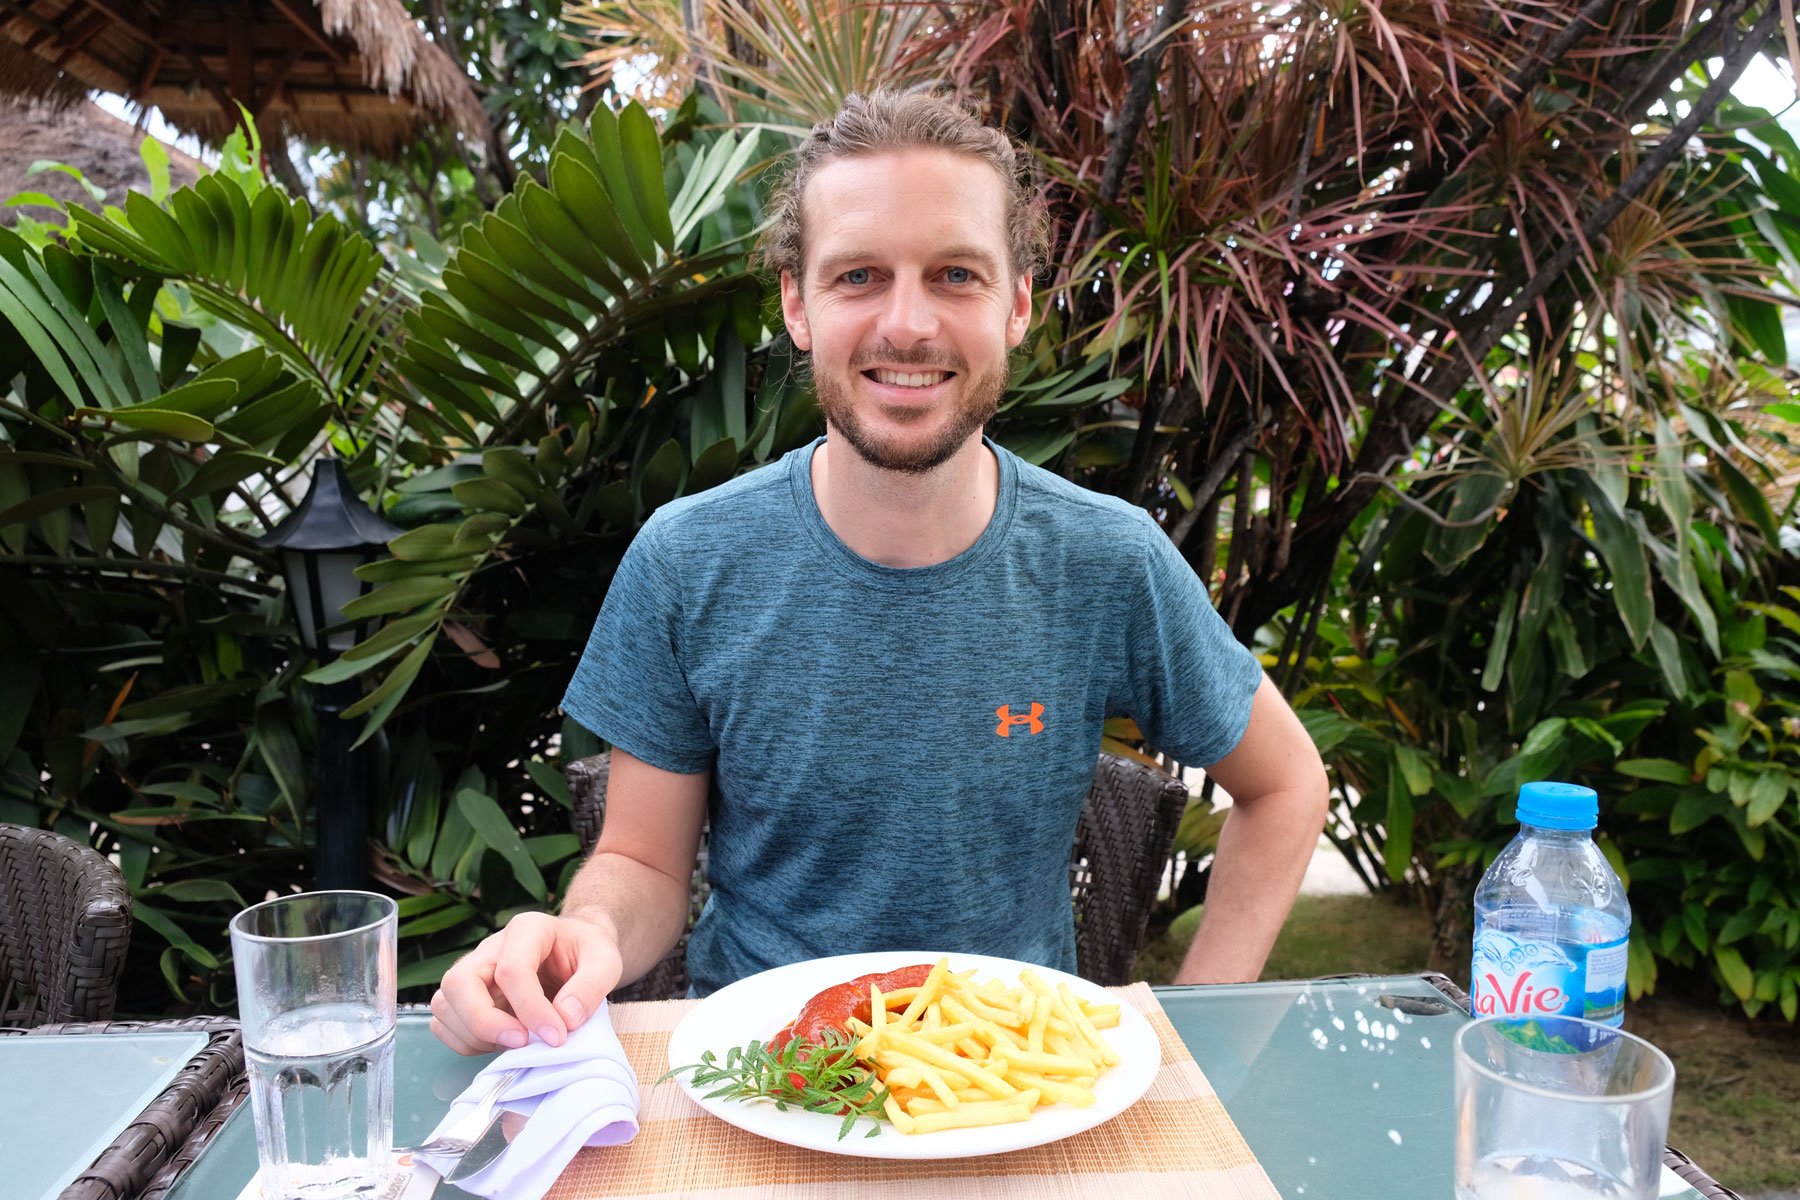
{"points": [[315, 975], [1558, 1108]]}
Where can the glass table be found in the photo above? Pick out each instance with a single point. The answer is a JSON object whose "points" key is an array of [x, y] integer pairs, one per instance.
{"points": [[1340, 1086], [83, 1090]]}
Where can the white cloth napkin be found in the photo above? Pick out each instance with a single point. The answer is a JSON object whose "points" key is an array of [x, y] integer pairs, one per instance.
{"points": [[581, 1093]]}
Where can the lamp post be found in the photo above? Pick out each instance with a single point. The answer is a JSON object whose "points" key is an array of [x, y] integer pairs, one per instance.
{"points": [[321, 543]]}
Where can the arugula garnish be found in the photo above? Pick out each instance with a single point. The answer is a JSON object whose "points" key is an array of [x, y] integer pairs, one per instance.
{"points": [[821, 1077]]}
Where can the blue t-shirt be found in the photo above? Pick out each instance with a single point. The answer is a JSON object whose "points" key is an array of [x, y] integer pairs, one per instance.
{"points": [[900, 754]]}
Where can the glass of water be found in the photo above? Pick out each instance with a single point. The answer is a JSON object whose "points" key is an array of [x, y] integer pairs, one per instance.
{"points": [[1558, 1108], [315, 976]]}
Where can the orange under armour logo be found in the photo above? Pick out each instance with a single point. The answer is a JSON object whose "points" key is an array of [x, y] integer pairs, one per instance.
{"points": [[1007, 720]]}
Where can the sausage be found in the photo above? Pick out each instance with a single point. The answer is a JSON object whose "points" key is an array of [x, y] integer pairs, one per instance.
{"points": [[836, 1005]]}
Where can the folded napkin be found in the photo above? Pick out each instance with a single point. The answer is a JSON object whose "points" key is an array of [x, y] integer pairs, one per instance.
{"points": [[581, 1093]]}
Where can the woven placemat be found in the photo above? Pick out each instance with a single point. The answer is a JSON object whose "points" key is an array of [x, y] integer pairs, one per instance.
{"points": [[1176, 1142]]}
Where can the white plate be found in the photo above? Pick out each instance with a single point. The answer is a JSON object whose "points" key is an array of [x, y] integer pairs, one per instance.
{"points": [[754, 1009]]}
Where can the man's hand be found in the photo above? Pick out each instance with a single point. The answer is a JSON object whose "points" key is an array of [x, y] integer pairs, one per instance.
{"points": [[626, 906], [541, 974]]}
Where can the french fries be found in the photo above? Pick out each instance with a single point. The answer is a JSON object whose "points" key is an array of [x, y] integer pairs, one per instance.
{"points": [[955, 1054]]}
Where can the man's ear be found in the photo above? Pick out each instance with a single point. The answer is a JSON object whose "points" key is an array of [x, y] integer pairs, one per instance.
{"points": [[793, 311], [1019, 319]]}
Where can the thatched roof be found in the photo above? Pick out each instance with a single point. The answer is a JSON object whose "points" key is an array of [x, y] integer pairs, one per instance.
{"points": [[358, 74], [87, 137]]}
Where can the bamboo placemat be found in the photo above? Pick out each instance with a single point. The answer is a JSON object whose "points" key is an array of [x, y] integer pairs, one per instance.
{"points": [[1176, 1142]]}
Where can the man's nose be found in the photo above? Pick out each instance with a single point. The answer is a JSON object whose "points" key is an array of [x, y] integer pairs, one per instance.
{"points": [[910, 315]]}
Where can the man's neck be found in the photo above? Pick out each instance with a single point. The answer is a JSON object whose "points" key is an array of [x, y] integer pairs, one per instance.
{"points": [[904, 520]]}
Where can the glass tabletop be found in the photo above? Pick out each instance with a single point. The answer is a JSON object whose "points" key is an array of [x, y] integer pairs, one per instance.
{"points": [[83, 1090], [1340, 1086], [427, 1077]]}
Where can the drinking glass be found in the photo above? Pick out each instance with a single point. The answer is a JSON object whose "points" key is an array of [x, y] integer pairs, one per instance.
{"points": [[1558, 1108], [315, 976]]}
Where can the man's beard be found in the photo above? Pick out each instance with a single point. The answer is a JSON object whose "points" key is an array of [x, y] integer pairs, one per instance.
{"points": [[980, 400]]}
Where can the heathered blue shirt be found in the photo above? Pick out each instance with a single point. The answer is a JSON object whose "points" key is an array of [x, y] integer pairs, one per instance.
{"points": [[900, 754]]}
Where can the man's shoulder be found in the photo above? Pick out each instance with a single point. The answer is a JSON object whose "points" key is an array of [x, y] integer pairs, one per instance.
{"points": [[741, 506], [1047, 496]]}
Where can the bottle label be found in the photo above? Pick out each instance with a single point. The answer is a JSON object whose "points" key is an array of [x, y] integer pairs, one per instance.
{"points": [[1523, 976]]}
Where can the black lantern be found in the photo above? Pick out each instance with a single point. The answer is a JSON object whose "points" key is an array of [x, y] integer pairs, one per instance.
{"points": [[321, 544]]}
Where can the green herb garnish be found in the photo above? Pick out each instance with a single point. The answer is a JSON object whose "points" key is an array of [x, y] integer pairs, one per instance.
{"points": [[821, 1077]]}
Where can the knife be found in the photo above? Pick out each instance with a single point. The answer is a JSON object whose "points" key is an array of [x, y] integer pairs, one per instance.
{"points": [[485, 1150]]}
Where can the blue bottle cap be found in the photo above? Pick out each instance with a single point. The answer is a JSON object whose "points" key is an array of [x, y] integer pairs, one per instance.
{"points": [[1558, 806]]}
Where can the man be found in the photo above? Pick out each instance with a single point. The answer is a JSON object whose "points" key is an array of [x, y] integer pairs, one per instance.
{"points": [[885, 660]]}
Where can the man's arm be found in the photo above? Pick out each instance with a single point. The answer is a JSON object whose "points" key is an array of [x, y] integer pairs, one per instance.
{"points": [[1279, 798], [625, 907]]}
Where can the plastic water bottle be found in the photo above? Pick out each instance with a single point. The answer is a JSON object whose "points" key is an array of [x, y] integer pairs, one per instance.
{"points": [[1551, 921]]}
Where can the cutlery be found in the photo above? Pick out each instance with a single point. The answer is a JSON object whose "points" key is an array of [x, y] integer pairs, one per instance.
{"points": [[456, 1141], [485, 1150]]}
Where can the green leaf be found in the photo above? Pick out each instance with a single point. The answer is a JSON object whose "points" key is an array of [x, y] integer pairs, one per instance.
{"points": [[491, 825], [1640, 964], [661, 480], [1694, 809], [1461, 792], [609, 155], [553, 225], [1734, 971], [343, 667], [1500, 640], [224, 471], [490, 495], [1592, 729], [1668, 657], [615, 505], [1741, 925], [1662, 770], [1761, 321], [1396, 851], [398, 596], [714, 466], [434, 922], [52, 501], [1768, 792], [427, 972], [550, 782], [1565, 645], [381, 702], [1627, 562], [580, 193], [161, 421], [156, 163], [1414, 768], [197, 891], [642, 151], [281, 753], [511, 468], [552, 848]]}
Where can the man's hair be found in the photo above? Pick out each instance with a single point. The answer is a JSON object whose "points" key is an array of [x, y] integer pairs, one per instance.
{"points": [[887, 120]]}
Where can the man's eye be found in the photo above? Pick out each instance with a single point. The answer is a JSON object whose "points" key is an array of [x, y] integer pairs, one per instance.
{"points": [[959, 275], [857, 276]]}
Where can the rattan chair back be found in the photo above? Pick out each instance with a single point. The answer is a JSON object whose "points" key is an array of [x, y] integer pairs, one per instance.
{"points": [[65, 921], [1122, 842]]}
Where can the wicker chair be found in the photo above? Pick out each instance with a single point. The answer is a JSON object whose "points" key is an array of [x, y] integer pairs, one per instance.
{"points": [[65, 920], [1122, 842]]}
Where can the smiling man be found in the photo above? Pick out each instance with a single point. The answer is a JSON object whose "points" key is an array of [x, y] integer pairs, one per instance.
{"points": [[882, 663]]}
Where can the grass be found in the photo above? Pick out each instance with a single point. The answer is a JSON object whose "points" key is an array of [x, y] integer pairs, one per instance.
{"points": [[1737, 1081]]}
